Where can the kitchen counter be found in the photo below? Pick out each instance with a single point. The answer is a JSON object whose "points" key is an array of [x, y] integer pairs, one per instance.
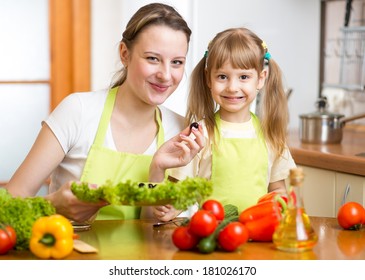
{"points": [[139, 240], [346, 157]]}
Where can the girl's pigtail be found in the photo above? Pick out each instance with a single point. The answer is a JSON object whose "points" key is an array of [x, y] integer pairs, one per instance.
{"points": [[274, 111]]}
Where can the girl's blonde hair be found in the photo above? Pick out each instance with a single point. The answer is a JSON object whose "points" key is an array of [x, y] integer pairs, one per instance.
{"points": [[148, 15], [244, 50]]}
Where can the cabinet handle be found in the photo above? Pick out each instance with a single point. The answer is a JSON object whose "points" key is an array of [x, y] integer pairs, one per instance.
{"points": [[347, 190]]}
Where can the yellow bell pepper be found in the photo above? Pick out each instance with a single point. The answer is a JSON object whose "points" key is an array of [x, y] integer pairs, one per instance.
{"points": [[52, 237]]}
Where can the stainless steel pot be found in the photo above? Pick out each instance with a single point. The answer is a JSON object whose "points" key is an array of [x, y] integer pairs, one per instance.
{"points": [[323, 127]]}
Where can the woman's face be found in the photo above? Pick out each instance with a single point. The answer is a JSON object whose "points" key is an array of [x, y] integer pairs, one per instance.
{"points": [[155, 63], [234, 90]]}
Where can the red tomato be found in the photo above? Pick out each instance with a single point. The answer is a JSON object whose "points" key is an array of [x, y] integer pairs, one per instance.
{"points": [[203, 223], [232, 236], [184, 239], [351, 215], [215, 207], [7, 238]]}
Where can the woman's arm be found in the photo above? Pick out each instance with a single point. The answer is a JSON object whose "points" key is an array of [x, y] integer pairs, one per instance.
{"points": [[44, 156]]}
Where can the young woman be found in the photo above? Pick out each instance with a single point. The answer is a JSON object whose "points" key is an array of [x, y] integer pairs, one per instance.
{"points": [[113, 134]]}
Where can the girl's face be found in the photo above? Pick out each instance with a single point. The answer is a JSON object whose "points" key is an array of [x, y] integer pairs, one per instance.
{"points": [[155, 64], [234, 90]]}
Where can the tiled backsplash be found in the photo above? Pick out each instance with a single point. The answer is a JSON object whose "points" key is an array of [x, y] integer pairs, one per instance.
{"points": [[345, 102]]}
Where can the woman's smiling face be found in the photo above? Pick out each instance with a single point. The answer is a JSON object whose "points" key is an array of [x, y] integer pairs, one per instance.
{"points": [[155, 64], [234, 90]]}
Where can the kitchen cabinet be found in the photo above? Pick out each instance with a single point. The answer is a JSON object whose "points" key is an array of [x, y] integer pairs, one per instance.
{"points": [[323, 190]]}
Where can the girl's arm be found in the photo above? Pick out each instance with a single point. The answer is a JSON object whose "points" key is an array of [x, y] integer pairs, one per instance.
{"points": [[278, 186]]}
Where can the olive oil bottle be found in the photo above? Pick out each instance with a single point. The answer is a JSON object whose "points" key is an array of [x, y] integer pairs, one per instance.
{"points": [[295, 233]]}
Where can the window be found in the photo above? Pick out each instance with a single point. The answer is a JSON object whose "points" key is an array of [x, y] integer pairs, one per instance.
{"points": [[45, 55]]}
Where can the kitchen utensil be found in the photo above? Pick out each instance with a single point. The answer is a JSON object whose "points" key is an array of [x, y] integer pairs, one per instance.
{"points": [[348, 12], [346, 193], [176, 222], [83, 247], [323, 127]]}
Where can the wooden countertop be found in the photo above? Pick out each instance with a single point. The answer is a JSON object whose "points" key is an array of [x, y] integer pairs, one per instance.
{"points": [[139, 240], [344, 157]]}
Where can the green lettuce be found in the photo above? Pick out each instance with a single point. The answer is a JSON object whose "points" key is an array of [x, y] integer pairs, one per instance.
{"points": [[180, 194], [21, 213]]}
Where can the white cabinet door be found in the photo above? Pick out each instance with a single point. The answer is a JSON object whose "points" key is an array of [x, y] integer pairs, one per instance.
{"points": [[324, 190], [319, 192]]}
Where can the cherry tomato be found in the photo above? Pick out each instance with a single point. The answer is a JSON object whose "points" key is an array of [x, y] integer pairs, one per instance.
{"points": [[232, 236], [215, 207], [7, 238], [184, 239], [203, 223], [351, 215]]}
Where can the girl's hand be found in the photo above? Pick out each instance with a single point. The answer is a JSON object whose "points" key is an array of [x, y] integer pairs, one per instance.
{"points": [[69, 206], [165, 213], [177, 152]]}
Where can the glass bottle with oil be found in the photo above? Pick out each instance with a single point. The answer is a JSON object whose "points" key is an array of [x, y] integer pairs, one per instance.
{"points": [[295, 233]]}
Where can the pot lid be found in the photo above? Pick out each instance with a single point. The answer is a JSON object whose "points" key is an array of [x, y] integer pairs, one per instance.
{"points": [[322, 113]]}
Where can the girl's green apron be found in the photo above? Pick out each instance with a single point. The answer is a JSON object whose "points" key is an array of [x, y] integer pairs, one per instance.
{"points": [[104, 164], [239, 168]]}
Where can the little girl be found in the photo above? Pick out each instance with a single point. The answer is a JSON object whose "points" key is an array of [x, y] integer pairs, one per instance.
{"points": [[246, 155]]}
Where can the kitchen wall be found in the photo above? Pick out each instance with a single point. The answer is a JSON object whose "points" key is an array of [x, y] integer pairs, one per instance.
{"points": [[290, 28]]}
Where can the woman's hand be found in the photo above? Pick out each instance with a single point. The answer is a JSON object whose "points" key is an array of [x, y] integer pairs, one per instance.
{"points": [[69, 206], [176, 152]]}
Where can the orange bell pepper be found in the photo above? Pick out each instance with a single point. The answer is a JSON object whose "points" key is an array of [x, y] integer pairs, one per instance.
{"points": [[261, 220]]}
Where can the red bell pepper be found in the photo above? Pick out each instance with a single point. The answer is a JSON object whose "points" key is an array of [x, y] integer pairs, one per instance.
{"points": [[261, 220], [282, 199]]}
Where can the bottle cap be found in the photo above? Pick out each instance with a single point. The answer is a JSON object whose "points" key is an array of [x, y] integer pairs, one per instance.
{"points": [[296, 176]]}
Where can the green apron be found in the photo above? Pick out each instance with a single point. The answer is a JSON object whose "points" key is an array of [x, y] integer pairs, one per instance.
{"points": [[239, 168], [104, 164]]}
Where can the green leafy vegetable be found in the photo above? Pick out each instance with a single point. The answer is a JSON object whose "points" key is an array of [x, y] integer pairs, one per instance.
{"points": [[21, 213], [230, 210], [180, 194]]}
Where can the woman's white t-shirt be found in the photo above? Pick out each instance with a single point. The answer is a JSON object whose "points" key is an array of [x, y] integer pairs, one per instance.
{"points": [[74, 123]]}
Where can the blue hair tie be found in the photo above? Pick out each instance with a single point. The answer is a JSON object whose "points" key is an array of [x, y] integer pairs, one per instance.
{"points": [[267, 56]]}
